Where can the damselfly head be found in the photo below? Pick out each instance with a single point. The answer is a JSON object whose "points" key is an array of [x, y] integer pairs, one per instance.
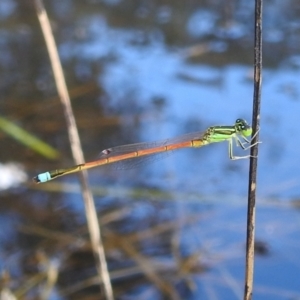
{"points": [[242, 127]]}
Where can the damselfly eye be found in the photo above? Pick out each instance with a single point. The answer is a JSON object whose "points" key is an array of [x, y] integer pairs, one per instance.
{"points": [[241, 125]]}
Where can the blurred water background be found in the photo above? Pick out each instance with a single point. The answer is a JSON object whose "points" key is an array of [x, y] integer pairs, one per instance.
{"points": [[145, 71]]}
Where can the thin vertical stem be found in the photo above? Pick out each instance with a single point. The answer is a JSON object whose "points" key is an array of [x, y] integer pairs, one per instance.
{"points": [[92, 219], [254, 152]]}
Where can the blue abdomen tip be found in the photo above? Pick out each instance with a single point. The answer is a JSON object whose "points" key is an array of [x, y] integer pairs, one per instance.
{"points": [[44, 177]]}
